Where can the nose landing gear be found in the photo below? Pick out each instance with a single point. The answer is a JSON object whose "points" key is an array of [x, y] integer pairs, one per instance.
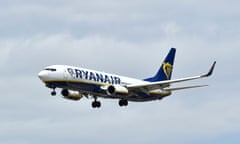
{"points": [[54, 93]]}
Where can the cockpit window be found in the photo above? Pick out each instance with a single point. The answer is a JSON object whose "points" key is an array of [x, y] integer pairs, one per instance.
{"points": [[51, 69]]}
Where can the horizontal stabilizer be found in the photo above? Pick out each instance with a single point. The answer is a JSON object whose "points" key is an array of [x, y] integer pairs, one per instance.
{"points": [[181, 88]]}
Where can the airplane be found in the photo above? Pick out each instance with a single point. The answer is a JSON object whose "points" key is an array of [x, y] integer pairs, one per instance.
{"points": [[76, 83]]}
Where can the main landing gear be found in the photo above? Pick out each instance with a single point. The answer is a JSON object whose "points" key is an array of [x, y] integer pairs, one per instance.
{"points": [[123, 102], [95, 103]]}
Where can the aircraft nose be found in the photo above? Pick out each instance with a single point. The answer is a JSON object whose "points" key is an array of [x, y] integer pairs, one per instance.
{"points": [[42, 75]]}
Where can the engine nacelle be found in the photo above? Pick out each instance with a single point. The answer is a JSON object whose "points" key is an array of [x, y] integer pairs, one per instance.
{"points": [[71, 95], [112, 89]]}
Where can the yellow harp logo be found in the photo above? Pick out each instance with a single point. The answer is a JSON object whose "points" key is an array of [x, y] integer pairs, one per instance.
{"points": [[167, 68]]}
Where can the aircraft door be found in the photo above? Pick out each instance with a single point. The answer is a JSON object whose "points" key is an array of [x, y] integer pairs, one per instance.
{"points": [[65, 74]]}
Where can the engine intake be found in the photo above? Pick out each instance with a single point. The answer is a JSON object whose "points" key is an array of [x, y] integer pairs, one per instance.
{"points": [[71, 95], [113, 89]]}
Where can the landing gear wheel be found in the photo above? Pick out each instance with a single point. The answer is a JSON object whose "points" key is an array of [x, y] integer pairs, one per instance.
{"points": [[123, 102], [96, 104], [53, 93]]}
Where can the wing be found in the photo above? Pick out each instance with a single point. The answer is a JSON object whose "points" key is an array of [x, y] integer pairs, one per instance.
{"points": [[167, 83]]}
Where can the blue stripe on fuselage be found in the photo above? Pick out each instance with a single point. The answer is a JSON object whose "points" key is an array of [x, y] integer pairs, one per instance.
{"points": [[96, 90]]}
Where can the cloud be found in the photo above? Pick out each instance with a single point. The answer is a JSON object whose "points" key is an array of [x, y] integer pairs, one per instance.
{"points": [[135, 20], [4, 55], [125, 37]]}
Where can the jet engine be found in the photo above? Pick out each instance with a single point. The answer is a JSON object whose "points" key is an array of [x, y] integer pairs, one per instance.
{"points": [[71, 95], [112, 89]]}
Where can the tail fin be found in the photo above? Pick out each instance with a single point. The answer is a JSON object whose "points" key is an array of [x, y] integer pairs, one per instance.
{"points": [[165, 71]]}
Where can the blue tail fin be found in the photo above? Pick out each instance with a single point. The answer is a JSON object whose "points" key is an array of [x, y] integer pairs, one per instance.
{"points": [[165, 71]]}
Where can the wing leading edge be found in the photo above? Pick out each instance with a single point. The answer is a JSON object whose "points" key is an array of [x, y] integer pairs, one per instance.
{"points": [[166, 83]]}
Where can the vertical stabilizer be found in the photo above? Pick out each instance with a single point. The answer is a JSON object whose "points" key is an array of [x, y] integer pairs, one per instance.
{"points": [[165, 71]]}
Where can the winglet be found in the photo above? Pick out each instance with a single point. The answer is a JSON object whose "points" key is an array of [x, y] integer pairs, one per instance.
{"points": [[210, 71]]}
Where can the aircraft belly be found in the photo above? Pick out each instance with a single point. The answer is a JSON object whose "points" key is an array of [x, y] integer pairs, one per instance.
{"points": [[95, 90], [81, 86]]}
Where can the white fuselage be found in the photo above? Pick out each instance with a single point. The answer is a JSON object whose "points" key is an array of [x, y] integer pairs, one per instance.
{"points": [[78, 82], [95, 83]]}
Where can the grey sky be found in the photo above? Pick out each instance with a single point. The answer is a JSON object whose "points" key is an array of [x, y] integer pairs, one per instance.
{"points": [[129, 38]]}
